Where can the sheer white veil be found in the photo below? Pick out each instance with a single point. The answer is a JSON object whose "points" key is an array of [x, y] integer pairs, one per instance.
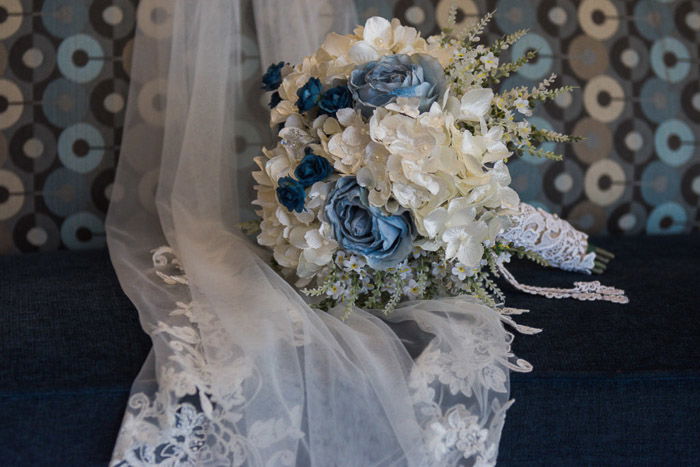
{"points": [[243, 371]]}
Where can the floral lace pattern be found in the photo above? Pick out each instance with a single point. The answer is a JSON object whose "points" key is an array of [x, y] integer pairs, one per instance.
{"points": [[562, 246], [466, 366], [585, 291], [553, 238], [190, 421]]}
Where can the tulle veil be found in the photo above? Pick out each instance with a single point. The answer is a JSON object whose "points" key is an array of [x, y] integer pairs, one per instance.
{"points": [[242, 370]]}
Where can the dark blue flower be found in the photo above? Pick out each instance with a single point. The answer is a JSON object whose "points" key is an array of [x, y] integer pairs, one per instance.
{"points": [[312, 169], [309, 95], [291, 194], [273, 77], [384, 240], [335, 99], [378, 83], [274, 99]]}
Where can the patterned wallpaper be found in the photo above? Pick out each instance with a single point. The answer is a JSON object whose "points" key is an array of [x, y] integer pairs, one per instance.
{"points": [[64, 74]]}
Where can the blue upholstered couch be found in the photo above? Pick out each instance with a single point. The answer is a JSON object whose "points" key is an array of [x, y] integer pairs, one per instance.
{"points": [[612, 385]]}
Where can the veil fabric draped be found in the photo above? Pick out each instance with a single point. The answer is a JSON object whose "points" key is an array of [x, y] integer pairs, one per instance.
{"points": [[242, 371]]}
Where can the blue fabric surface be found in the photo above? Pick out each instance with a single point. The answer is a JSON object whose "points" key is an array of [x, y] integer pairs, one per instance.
{"points": [[613, 385], [71, 345]]}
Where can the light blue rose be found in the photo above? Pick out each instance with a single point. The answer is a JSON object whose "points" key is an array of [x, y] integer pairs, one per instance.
{"points": [[378, 83], [384, 240]]}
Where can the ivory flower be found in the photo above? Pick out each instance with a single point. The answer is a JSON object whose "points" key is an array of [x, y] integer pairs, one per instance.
{"points": [[456, 226]]}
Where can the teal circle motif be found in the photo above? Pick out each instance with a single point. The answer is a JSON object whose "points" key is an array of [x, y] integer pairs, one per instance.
{"points": [[64, 18], [659, 100], [81, 147], [542, 65], [512, 15], [667, 218], [80, 58], [670, 59], [660, 183], [66, 192], [83, 231], [674, 142], [652, 20], [64, 103]]}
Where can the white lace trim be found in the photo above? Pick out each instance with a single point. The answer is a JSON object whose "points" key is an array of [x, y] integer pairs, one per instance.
{"points": [[188, 422], [592, 290], [563, 247], [553, 238]]}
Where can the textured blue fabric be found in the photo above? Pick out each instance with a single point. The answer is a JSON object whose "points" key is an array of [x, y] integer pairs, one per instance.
{"points": [[610, 387], [71, 345]]}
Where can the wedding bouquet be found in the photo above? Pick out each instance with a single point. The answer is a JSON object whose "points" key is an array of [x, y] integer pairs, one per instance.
{"points": [[390, 176]]}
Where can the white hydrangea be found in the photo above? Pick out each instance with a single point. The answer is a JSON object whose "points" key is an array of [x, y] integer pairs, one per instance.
{"points": [[445, 166]]}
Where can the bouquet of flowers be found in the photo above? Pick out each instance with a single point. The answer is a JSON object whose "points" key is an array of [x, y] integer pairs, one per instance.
{"points": [[390, 176]]}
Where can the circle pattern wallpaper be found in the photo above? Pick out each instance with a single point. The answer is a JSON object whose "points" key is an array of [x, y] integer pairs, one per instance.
{"points": [[64, 79]]}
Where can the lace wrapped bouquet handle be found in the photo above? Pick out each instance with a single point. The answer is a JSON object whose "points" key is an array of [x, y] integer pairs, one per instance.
{"points": [[562, 246]]}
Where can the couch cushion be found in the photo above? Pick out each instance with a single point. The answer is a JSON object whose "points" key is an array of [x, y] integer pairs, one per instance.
{"points": [[613, 385], [71, 345]]}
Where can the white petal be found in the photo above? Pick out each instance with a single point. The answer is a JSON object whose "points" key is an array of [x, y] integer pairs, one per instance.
{"points": [[296, 237], [280, 113], [475, 104], [305, 217], [306, 268], [346, 117], [331, 126], [496, 152], [470, 253], [313, 238], [435, 222], [336, 44], [460, 204], [365, 178], [378, 32], [472, 145], [362, 52]]}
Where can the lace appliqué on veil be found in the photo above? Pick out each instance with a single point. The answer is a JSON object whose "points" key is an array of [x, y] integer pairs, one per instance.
{"points": [[465, 364], [189, 420]]}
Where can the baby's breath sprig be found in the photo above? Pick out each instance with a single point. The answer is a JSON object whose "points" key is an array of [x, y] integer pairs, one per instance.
{"points": [[504, 42], [522, 253], [473, 34], [539, 135], [494, 291], [533, 150], [506, 69], [394, 299], [543, 91], [479, 289]]}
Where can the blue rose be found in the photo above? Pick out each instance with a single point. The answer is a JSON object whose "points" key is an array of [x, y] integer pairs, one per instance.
{"points": [[291, 194], [309, 95], [378, 83], [384, 240], [273, 77], [312, 169], [335, 99], [274, 100]]}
